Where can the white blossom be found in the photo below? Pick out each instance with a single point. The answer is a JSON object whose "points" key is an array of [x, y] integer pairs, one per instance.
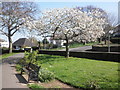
{"points": [[73, 23]]}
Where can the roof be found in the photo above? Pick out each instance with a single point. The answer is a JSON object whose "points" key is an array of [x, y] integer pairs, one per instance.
{"points": [[2, 40], [118, 25], [23, 42], [117, 29]]}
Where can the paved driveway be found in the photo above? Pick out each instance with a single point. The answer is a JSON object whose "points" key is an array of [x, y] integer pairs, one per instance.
{"points": [[78, 49], [10, 78]]}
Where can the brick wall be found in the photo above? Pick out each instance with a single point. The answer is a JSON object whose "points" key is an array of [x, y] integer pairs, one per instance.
{"points": [[87, 54]]}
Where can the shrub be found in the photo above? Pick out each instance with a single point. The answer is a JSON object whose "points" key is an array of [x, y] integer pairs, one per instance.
{"points": [[4, 48], [31, 56], [92, 85], [55, 46], [45, 75], [18, 67]]}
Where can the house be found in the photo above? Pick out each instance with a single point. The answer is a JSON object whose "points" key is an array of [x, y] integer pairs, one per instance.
{"points": [[116, 29], [4, 43], [23, 43], [58, 42], [116, 35]]}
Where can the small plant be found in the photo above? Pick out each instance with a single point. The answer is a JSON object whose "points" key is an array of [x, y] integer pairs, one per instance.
{"points": [[92, 85], [34, 86], [45, 75], [30, 57], [18, 67]]}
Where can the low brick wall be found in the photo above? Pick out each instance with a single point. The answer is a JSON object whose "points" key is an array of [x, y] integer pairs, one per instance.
{"points": [[4, 51], [61, 53], [97, 55], [7, 51], [112, 56], [87, 54], [105, 49]]}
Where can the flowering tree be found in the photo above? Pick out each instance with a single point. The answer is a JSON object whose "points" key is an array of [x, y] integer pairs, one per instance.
{"points": [[94, 26], [13, 16], [110, 19], [72, 23]]}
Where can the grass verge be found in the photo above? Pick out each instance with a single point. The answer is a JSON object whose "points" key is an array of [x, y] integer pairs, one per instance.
{"points": [[34, 86], [6, 55]]}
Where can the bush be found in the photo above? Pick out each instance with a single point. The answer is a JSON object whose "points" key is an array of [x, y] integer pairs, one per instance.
{"points": [[55, 46], [92, 85], [4, 48], [45, 75], [31, 57], [18, 67]]}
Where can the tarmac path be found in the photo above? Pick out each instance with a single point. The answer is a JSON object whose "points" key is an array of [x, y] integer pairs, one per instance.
{"points": [[78, 49], [10, 78]]}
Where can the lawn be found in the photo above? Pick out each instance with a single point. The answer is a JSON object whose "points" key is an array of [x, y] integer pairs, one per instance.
{"points": [[81, 72], [6, 55], [74, 45], [34, 86]]}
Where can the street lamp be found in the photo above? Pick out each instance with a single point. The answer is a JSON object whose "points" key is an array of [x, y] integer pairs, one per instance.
{"points": [[110, 32]]}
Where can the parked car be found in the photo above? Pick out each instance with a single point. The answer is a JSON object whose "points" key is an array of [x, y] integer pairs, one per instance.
{"points": [[29, 49]]}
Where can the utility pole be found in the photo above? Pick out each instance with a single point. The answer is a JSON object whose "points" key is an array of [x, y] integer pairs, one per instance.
{"points": [[110, 32], [109, 42]]}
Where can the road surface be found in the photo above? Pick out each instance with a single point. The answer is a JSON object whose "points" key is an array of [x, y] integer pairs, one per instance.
{"points": [[78, 49]]}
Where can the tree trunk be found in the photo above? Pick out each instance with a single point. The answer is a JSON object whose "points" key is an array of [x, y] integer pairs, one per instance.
{"points": [[67, 48], [99, 40], [84, 43], [39, 46], [10, 44], [105, 41]]}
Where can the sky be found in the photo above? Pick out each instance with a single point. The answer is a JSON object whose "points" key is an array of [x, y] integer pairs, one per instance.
{"points": [[109, 7]]}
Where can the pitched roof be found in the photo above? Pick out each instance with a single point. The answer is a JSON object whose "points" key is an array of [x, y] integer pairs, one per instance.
{"points": [[23, 42], [117, 29]]}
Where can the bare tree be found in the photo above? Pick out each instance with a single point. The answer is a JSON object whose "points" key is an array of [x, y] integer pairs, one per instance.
{"points": [[13, 17], [110, 26]]}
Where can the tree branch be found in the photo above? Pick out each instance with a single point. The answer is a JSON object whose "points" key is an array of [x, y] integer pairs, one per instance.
{"points": [[4, 33], [14, 32], [16, 27]]}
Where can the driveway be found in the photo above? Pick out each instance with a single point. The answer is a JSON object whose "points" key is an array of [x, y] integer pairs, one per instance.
{"points": [[78, 49], [10, 78]]}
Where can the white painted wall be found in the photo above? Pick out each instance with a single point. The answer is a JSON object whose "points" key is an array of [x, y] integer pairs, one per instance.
{"points": [[58, 42], [4, 44]]}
